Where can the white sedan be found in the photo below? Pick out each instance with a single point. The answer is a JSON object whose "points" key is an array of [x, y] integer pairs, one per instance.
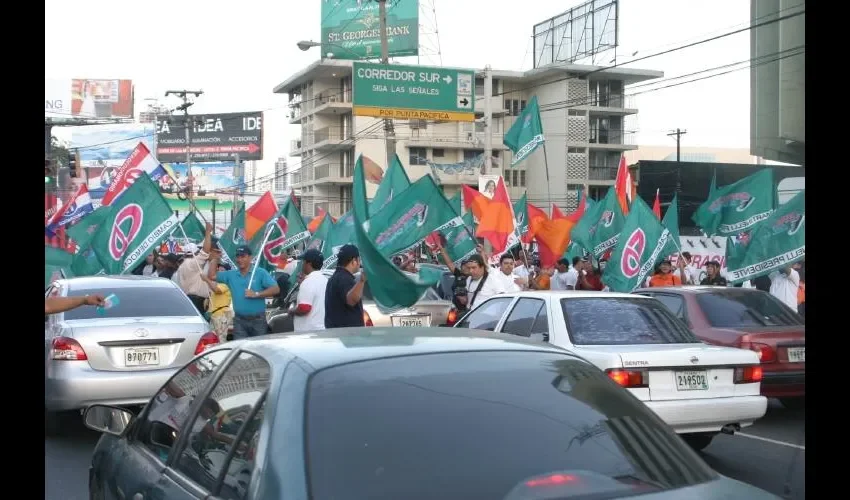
{"points": [[698, 389]]}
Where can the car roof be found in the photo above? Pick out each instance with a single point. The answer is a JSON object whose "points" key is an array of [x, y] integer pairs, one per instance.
{"points": [[696, 289], [111, 282], [339, 346], [568, 294]]}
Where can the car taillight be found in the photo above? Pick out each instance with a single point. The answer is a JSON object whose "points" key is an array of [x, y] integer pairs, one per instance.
{"points": [[208, 340], [67, 349], [629, 378], [367, 320], [550, 480], [748, 374], [765, 353], [451, 317]]}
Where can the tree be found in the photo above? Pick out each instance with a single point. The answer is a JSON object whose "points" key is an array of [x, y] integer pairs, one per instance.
{"points": [[59, 154]]}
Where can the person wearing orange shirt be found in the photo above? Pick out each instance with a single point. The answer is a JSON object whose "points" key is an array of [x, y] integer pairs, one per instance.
{"points": [[665, 275]]}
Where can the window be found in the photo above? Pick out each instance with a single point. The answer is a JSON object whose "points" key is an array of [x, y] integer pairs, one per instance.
{"points": [[574, 187], [134, 302], [522, 178], [576, 150], [623, 321], [229, 408], [515, 415], [735, 308], [528, 316], [487, 315], [471, 154], [160, 426], [675, 303], [418, 156], [576, 112], [438, 153]]}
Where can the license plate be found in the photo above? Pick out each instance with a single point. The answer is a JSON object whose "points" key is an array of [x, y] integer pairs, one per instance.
{"points": [[692, 381], [141, 357], [417, 320], [796, 354]]}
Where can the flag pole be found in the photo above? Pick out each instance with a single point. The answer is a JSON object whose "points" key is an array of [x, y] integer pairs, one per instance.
{"points": [[262, 246], [186, 238], [548, 183]]}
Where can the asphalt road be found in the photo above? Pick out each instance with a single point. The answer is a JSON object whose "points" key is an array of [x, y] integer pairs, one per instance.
{"points": [[770, 455]]}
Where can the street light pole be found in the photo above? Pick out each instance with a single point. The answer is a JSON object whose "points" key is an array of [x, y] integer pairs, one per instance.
{"points": [[385, 59]]}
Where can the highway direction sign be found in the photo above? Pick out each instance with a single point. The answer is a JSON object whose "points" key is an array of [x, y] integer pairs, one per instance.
{"points": [[413, 92]]}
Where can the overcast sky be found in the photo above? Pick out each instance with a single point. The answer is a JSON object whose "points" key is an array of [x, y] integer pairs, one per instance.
{"points": [[237, 52]]}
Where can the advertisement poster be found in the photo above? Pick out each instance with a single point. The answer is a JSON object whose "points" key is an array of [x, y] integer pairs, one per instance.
{"points": [[350, 28], [213, 137], [88, 98], [487, 184], [209, 180]]}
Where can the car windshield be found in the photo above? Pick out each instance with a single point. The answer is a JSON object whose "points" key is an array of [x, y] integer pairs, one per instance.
{"points": [[623, 321], [745, 308], [134, 302], [474, 425]]}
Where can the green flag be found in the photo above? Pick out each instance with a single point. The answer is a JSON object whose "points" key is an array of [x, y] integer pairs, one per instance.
{"points": [[83, 231], [456, 203], [139, 221], [739, 206], [193, 227], [86, 262], [318, 241], [521, 215], [774, 244], [233, 237], [405, 221], [644, 243], [671, 219], [600, 226], [526, 134], [57, 265], [391, 287], [460, 242], [342, 233], [394, 182], [282, 233]]}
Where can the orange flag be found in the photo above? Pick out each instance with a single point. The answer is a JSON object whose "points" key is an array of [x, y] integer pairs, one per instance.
{"points": [[315, 221], [656, 207], [259, 215], [497, 223], [535, 217], [475, 201], [553, 238], [556, 212], [624, 186]]}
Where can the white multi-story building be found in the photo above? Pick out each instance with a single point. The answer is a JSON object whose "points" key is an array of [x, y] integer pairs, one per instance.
{"points": [[281, 176], [583, 109]]}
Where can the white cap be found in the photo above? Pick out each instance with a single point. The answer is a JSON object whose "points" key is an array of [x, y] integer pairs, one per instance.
{"points": [[190, 248]]}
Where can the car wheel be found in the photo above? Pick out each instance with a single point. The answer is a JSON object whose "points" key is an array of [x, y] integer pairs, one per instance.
{"points": [[698, 441], [794, 403]]}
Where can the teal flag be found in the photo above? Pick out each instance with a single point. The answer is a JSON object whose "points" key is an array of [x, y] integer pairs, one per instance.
{"points": [[140, 220], [600, 226], [318, 241], [456, 203], [394, 182], [405, 221], [86, 263], [521, 215], [83, 231], [460, 242], [392, 288], [737, 207], [645, 242], [193, 227], [233, 237], [526, 134], [774, 244], [282, 233], [57, 265], [342, 233]]}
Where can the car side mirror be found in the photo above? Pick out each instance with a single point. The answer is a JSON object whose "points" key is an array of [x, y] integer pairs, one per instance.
{"points": [[107, 419]]}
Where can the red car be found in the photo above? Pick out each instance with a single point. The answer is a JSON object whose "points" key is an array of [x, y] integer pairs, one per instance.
{"points": [[749, 319]]}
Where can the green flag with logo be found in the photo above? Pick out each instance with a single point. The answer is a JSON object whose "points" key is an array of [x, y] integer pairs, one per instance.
{"points": [[233, 237], [774, 244], [57, 264], [644, 242], [405, 221], [318, 241], [394, 182], [739, 206], [193, 228], [282, 233], [392, 288], [139, 221], [342, 233], [521, 215], [526, 134], [83, 231], [460, 242], [456, 203], [600, 226], [86, 262]]}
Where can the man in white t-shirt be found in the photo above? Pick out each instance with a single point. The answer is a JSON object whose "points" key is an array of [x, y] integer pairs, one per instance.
{"points": [[562, 276], [481, 285], [308, 315], [521, 268], [509, 281], [784, 285], [694, 276]]}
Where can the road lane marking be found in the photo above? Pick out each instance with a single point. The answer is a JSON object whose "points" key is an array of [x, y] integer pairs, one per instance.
{"points": [[768, 440]]}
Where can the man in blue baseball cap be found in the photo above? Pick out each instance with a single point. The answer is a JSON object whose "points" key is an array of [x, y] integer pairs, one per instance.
{"points": [[249, 299]]}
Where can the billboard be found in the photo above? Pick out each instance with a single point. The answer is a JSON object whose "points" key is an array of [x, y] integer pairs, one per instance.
{"points": [[88, 98], [351, 28], [209, 180], [583, 31], [212, 137]]}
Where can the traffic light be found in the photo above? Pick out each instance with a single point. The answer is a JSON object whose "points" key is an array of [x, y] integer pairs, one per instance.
{"points": [[72, 164], [48, 173]]}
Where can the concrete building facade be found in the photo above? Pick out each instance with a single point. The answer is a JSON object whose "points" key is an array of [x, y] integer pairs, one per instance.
{"points": [[583, 110]]}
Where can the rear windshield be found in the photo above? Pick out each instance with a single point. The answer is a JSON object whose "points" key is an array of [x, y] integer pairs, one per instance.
{"points": [[623, 321], [136, 302], [478, 425], [738, 308]]}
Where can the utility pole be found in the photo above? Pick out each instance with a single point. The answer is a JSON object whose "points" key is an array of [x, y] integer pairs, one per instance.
{"points": [[385, 59], [488, 120], [678, 133], [184, 94], [237, 173]]}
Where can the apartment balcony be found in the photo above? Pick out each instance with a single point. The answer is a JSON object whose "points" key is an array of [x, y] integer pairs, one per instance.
{"points": [[295, 147], [295, 178], [335, 208], [457, 179], [332, 103], [295, 113], [325, 173], [609, 105], [612, 139], [332, 138], [601, 173]]}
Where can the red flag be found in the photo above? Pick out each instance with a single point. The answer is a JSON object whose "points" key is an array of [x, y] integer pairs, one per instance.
{"points": [[556, 213], [140, 160], [314, 223], [475, 201], [553, 238], [259, 215], [656, 207], [497, 223], [624, 186], [535, 217]]}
